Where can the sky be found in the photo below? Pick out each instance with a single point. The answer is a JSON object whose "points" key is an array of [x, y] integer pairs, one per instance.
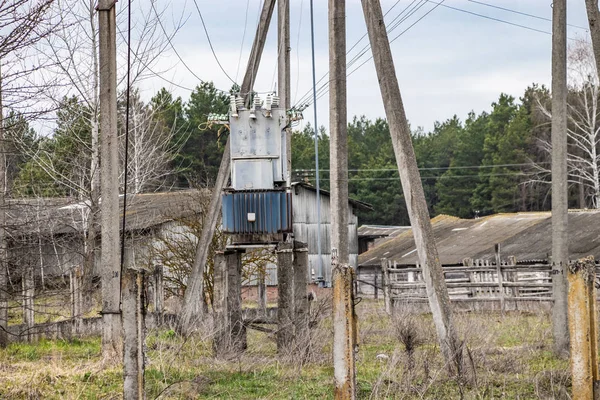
{"points": [[448, 63]]}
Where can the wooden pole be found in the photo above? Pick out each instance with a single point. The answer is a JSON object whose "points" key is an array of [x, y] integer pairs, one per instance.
{"points": [[285, 300], [582, 327], [345, 335], [110, 260], [192, 301], [500, 277], [28, 296], [159, 293], [560, 222], [387, 291], [301, 332], [261, 293], [437, 292]]}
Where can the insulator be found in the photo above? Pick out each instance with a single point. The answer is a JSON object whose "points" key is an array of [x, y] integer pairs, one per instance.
{"points": [[239, 102], [275, 101], [233, 106], [268, 102], [257, 101]]}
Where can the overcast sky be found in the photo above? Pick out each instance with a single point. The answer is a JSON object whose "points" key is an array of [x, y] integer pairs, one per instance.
{"points": [[449, 62]]}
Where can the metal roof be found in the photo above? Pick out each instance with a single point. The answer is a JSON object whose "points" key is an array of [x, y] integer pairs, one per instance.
{"points": [[66, 215], [527, 236], [377, 231], [356, 203]]}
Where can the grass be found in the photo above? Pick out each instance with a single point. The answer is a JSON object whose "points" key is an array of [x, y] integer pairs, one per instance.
{"points": [[511, 354]]}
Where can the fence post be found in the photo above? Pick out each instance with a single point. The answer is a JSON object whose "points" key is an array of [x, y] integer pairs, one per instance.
{"points": [[134, 330], [375, 289], [500, 278], [261, 292], [582, 328], [159, 293], [28, 283], [387, 292], [468, 262]]}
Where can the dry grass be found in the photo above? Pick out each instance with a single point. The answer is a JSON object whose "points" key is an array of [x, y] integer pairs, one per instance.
{"points": [[509, 356]]}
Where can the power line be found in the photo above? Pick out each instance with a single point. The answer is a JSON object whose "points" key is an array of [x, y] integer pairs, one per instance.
{"points": [[306, 97], [176, 52], [437, 168], [524, 13], [237, 72], [433, 177], [490, 18], [210, 43], [391, 41], [298, 51]]}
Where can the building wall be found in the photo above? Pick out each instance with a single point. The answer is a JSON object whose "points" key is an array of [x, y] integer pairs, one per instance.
{"points": [[306, 227]]}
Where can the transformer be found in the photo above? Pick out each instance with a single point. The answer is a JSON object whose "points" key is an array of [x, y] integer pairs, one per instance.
{"points": [[257, 208]]}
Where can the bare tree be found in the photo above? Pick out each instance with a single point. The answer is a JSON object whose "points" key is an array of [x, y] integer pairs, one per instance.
{"points": [[72, 53], [583, 124], [21, 26], [152, 147]]}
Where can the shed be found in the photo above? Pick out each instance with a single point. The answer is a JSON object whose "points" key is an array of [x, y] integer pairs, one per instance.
{"points": [[305, 225], [527, 236]]}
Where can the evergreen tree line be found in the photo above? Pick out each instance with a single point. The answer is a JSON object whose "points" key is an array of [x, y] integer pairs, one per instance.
{"points": [[494, 161]]}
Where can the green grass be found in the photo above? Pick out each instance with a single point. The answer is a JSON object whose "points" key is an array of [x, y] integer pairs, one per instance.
{"points": [[511, 353]]}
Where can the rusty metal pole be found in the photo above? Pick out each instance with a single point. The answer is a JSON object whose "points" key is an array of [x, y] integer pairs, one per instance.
{"points": [[345, 333], [582, 328]]}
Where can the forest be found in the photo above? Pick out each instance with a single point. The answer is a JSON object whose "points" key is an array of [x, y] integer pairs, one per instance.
{"points": [[489, 161]]}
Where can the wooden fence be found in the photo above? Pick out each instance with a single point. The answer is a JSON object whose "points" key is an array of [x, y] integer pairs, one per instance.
{"points": [[504, 283]]}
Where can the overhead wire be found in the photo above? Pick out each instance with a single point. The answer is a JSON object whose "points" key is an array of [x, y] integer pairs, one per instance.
{"points": [[210, 43], [325, 91], [324, 88], [298, 51], [524, 13], [306, 97], [168, 38], [237, 72]]}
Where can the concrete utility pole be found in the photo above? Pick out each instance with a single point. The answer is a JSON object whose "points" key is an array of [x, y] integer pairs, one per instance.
{"points": [[344, 319], [593, 14], [560, 207], [437, 292], [283, 60], [112, 345], [338, 131], [193, 300]]}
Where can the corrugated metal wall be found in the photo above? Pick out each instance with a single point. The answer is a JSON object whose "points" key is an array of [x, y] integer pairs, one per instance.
{"points": [[304, 204], [305, 230]]}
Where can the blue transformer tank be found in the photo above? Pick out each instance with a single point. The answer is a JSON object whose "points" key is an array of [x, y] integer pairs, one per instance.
{"points": [[257, 208]]}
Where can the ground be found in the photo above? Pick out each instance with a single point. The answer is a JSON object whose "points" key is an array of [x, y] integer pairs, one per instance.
{"points": [[509, 356]]}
